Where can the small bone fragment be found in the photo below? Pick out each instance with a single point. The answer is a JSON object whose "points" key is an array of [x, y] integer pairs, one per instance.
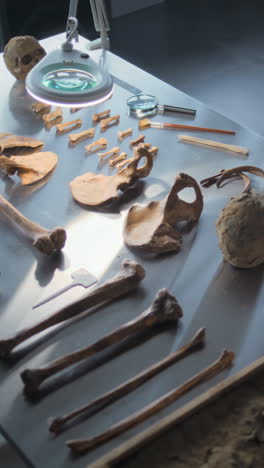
{"points": [[153, 150], [139, 139], [113, 162], [124, 282], [164, 309], [31, 168], [75, 138], [13, 144], [98, 189], [124, 134], [68, 126], [124, 163], [57, 424], [106, 123], [75, 109], [152, 227], [147, 145], [111, 152], [53, 118], [101, 115], [40, 108], [96, 145], [81, 446], [44, 240], [213, 144]]}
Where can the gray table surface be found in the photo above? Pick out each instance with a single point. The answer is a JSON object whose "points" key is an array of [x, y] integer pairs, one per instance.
{"points": [[227, 301]]}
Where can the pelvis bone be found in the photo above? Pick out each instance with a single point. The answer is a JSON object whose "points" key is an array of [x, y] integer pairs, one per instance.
{"points": [[152, 227], [98, 189], [13, 144], [31, 168]]}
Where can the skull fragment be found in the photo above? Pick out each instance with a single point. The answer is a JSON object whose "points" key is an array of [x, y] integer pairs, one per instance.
{"points": [[21, 54]]}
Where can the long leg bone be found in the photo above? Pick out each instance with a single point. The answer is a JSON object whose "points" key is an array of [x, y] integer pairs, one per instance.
{"points": [[44, 240], [164, 309], [68, 126], [57, 424], [125, 281], [223, 362]]}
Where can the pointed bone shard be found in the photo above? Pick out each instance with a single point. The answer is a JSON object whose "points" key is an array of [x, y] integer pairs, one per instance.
{"points": [[57, 424], [164, 309], [223, 362], [124, 282], [44, 240], [152, 227]]}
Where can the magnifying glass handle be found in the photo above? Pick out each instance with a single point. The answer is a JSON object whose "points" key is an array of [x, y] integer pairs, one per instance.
{"points": [[180, 110]]}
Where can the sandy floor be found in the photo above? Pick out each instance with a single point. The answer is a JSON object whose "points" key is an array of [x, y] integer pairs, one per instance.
{"points": [[227, 434]]}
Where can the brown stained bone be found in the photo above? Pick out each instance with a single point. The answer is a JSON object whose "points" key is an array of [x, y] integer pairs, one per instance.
{"points": [[120, 157], [233, 173], [101, 115], [56, 425], [75, 109], [164, 310], [97, 189], [111, 152], [21, 54], [75, 138], [223, 362], [124, 163], [68, 126], [136, 141], [40, 108], [53, 118], [152, 227], [106, 123], [14, 144], [96, 145], [46, 241], [31, 168], [124, 134], [124, 282], [153, 150]]}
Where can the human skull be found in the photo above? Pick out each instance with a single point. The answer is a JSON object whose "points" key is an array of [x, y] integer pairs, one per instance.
{"points": [[21, 54]]}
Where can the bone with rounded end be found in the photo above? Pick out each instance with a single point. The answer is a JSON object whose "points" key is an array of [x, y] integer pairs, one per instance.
{"points": [[40, 108], [120, 157], [223, 362], [109, 122], [152, 227], [21, 54], [68, 126], [96, 145], [111, 152], [57, 424], [75, 138], [101, 115], [53, 118], [124, 133], [47, 241], [124, 282], [136, 141], [164, 309]]}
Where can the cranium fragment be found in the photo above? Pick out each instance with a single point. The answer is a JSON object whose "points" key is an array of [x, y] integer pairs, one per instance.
{"points": [[21, 54], [240, 229], [152, 227]]}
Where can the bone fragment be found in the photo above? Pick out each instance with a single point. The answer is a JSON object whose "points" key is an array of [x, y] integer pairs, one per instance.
{"points": [[124, 163], [75, 138], [111, 152], [125, 281], [147, 145], [101, 115], [68, 126], [81, 446], [44, 240], [232, 173], [57, 424], [153, 150], [75, 109], [96, 145], [106, 123], [213, 144], [139, 139], [31, 168], [164, 309], [53, 118], [40, 108], [14, 144], [119, 158], [124, 133]]}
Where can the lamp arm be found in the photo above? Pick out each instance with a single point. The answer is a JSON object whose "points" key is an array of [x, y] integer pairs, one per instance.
{"points": [[101, 23]]}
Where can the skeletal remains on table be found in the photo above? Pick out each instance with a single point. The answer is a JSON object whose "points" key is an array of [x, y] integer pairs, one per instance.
{"points": [[124, 282], [120, 157], [96, 145], [40, 108], [198, 340], [101, 115], [98, 189], [234, 173], [75, 138], [68, 126], [15, 145], [21, 54], [107, 123], [124, 134], [152, 227], [31, 168], [164, 310], [224, 361], [47, 241], [136, 141], [53, 118], [112, 152]]}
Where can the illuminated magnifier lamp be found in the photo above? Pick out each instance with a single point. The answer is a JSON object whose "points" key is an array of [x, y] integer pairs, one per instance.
{"points": [[68, 77]]}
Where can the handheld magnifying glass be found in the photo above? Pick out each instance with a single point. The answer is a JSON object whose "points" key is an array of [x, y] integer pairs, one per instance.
{"points": [[141, 105]]}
